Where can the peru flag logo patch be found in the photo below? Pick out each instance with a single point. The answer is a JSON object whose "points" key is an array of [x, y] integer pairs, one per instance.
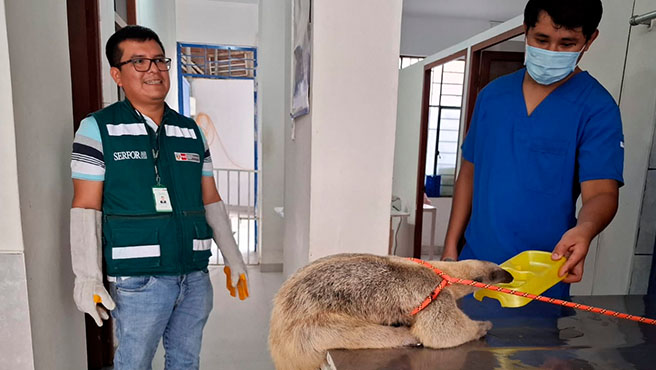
{"points": [[187, 157]]}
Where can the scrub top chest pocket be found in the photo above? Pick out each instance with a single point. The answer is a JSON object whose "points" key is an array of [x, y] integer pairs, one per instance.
{"points": [[543, 163]]}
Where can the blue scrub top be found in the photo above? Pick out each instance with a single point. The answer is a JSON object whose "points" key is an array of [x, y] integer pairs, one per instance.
{"points": [[528, 169]]}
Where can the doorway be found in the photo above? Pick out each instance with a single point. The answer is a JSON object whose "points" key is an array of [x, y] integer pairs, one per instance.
{"points": [[440, 125], [217, 88], [439, 162]]}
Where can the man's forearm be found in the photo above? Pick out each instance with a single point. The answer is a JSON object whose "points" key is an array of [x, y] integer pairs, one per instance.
{"points": [[461, 208], [599, 198], [596, 213]]}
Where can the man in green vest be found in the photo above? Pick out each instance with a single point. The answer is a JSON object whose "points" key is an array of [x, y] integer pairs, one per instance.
{"points": [[146, 204]]}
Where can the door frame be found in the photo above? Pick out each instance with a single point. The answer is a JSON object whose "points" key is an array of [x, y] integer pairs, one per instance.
{"points": [[474, 65], [423, 142], [473, 56], [182, 75], [87, 96], [488, 57]]}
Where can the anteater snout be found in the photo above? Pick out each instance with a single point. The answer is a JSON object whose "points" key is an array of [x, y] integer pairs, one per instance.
{"points": [[501, 276]]}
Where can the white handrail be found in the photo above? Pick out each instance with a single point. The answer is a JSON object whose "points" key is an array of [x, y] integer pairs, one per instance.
{"points": [[644, 19]]}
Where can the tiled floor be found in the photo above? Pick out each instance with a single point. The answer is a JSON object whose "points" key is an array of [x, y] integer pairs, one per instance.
{"points": [[235, 337]]}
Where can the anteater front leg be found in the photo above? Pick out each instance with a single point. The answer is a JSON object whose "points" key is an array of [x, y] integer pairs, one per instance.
{"points": [[442, 324]]}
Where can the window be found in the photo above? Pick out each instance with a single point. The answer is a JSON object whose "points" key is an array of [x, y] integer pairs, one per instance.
{"points": [[406, 61], [210, 61], [444, 122]]}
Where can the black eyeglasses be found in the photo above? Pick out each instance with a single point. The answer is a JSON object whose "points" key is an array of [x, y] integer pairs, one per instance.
{"points": [[144, 64]]}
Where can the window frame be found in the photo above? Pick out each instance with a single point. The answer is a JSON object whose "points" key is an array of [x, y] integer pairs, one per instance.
{"points": [[439, 107]]}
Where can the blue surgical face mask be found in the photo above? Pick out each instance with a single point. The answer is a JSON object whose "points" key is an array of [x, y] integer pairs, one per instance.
{"points": [[547, 67]]}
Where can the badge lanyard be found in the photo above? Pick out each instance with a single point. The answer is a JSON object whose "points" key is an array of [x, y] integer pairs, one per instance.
{"points": [[155, 150], [160, 192]]}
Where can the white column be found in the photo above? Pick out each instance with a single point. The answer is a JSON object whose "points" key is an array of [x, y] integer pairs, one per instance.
{"points": [[43, 124], [354, 101], [273, 52]]}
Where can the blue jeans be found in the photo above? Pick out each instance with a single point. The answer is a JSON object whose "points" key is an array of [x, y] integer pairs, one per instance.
{"points": [[151, 307]]}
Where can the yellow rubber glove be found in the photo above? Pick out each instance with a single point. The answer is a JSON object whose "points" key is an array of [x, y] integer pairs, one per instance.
{"points": [[242, 285]]}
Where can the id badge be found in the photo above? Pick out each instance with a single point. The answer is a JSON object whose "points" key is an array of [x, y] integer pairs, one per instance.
{"points": [[162, 199]]}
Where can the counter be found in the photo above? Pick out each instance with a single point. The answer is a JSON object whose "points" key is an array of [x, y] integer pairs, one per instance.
{"points": [[539, 335]]}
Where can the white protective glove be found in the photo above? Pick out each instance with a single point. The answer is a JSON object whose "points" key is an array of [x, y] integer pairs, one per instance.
{"points": [[86, 255], [218, 219]]}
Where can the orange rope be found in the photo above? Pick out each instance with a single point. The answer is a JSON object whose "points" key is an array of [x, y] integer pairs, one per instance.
{"points": [[447, 280]]}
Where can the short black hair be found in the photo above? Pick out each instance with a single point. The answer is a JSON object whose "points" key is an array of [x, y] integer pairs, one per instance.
{"points": [[570, 14], [137, 33]]}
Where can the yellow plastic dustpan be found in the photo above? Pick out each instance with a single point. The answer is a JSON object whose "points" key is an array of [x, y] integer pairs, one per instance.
{"points": [[533, 272]]}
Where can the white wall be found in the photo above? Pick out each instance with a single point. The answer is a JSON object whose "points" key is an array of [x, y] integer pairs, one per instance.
{"points": [[230, 106], [406, 148], [10, 228], [353, 124], [107, 28], [510, 45], [43, 115], [406, 151], [15, 329], [160, 15], [230, 132], [615, 260], [298, 152], [423, 35], [297, 195], [273, 84], [216, 22], [607, 55], [605, 61], [442, 210]]}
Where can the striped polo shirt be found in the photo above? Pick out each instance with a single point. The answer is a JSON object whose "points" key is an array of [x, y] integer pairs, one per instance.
{"points": [[87, 162]]}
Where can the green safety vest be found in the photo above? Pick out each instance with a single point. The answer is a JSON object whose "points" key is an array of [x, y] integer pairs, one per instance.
{"points": [[138, 240]]}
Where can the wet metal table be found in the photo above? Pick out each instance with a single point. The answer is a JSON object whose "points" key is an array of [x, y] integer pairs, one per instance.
{"points": [[537, 336]]}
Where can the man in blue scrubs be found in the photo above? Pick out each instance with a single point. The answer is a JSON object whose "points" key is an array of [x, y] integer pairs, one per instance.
{"points": [[539, 138]]}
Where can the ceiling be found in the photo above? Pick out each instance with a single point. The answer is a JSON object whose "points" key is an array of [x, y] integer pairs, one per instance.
{"points": [[490, 10], [239, 1]]}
